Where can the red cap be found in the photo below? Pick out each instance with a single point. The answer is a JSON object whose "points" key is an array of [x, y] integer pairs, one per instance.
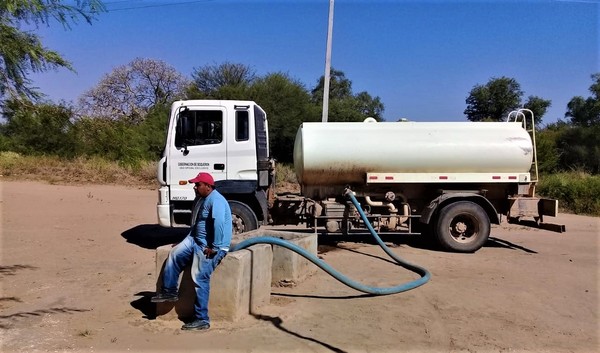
{"points": [[203, 178]]}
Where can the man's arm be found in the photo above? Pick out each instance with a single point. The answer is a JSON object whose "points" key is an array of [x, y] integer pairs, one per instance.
{"points": [[221, 214]]}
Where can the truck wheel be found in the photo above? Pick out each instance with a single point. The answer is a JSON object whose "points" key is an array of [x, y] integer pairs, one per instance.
{"points": [[462, 227], [242, 217]]}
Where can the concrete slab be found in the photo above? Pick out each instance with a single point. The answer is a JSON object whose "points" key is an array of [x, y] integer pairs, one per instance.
{"points": [[240, 285], [287, 265]]}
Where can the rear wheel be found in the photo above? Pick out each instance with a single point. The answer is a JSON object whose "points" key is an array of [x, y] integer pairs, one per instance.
{"points": [[242, 217], [462, 227]]}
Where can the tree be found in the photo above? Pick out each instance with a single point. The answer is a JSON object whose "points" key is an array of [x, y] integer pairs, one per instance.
{"points": [[493, 101], [288, 105], [225, 81], [496, 99], [344, 105], [130, 91], [538, 106], [22, 52], [585, 112]]}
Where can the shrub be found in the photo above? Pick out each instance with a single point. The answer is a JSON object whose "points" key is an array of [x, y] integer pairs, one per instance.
{"points": [[576, 191]]}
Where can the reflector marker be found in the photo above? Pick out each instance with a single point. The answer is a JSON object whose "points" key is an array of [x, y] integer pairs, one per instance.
{"points": [[392, 178]]}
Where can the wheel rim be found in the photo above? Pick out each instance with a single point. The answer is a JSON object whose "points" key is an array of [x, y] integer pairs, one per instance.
{"points": [[464, 228], [238, 224]]}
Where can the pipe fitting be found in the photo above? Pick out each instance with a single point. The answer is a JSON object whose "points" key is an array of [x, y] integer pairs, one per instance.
{"points": [[389, 205]]}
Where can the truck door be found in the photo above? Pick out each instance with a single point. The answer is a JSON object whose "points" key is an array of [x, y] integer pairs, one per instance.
{"points": [[199, 145]]}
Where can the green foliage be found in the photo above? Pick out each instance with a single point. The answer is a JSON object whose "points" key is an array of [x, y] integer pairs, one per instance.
{"points": [[580, 148], [577, 192], [225, 81], [110, 139], [286, 101], [37, 129], [538, 106], [548, 154], [564, 147], [586, 111], [154, 131], [494, 100], [23, 52], [344, 105], [287, 105]]}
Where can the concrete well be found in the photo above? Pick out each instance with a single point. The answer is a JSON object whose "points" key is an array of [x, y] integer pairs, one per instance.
{"points": [[287, 265], [240, 285]]}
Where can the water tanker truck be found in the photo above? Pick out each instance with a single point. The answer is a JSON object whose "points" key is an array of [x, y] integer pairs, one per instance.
{"points": [[449, 180]]}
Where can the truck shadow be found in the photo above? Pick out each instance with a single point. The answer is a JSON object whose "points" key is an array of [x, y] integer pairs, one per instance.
{"points": [[152, 236], [501, 243], [390, 239], [423, 242]]}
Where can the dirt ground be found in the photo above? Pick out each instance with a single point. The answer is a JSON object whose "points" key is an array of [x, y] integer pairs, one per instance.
{"points": [[77, 272]]}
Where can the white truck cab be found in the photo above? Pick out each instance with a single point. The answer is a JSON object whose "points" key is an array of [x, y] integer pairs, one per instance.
{"points": [[229, 140]]}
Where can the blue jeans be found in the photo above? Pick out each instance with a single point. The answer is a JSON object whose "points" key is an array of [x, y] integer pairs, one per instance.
{"points": [[202, 269]]}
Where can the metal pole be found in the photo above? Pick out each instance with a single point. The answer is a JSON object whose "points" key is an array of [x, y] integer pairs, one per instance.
{"points": [[328, 64]]}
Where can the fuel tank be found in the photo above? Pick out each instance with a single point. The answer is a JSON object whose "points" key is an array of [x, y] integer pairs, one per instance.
{"points": [[328, 154]]}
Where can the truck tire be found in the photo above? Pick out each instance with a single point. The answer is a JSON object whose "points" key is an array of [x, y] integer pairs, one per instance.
{"points": [[462, 226], [242, 217]]}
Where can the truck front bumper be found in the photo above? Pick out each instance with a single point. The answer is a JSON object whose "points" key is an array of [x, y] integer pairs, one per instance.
{"points": [[163, 208]]}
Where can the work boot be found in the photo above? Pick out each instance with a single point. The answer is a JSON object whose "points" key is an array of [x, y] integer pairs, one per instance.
{"points": [[164, 297], [196, 325]]}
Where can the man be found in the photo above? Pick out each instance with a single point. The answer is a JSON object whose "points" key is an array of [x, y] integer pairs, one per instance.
{"points": [[206, 245]]}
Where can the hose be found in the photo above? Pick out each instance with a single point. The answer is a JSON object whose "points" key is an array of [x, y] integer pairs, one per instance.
{"points": [[425, 275]]}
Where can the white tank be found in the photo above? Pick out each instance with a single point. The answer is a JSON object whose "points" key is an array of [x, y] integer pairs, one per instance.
{"points": [[342, 153]]}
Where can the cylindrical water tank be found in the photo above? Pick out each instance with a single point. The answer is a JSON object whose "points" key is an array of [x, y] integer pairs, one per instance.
{"points": [[340, 153]]}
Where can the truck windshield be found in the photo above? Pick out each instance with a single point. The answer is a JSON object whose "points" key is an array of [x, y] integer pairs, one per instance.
{"points": [[199, 127]]}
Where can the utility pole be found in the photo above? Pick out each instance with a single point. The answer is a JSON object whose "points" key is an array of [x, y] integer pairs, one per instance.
{"points": [[328, 64]]}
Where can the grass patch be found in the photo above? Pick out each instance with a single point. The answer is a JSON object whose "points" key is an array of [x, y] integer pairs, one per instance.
{"points": [[286, 180], [577, 192], [80, 170], [84, 333]]}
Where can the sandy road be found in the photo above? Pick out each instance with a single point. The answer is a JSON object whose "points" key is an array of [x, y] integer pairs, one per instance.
{"points": [[77, 263]]}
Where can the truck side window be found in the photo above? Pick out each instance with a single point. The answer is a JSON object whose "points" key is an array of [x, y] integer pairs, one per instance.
{"points": [[241, 126], [199, 127]]}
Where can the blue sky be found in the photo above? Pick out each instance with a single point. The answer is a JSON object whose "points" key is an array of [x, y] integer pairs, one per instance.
{"points": [[420, 57]]}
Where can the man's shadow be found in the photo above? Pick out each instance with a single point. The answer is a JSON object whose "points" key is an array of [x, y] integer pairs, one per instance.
{"points": [[152, 236]]}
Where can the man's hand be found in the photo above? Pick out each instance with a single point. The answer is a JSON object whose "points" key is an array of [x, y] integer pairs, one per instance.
{"points": [[209, 253]]}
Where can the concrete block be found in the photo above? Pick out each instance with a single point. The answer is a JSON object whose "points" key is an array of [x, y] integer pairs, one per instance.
{"points": [[230, 287], [289, 266], [261, 273], [240, 285], [184, 307]]}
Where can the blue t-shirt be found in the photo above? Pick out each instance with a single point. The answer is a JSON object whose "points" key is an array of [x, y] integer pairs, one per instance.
{"points": [[213, 226]]}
